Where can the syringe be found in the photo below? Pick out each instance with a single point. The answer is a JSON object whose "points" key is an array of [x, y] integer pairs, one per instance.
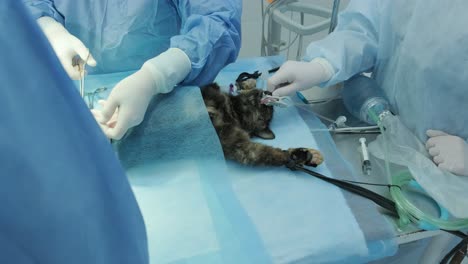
{"points": [[366, 164]]}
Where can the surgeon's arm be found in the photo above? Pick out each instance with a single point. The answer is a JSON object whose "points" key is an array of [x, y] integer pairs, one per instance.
{"points": [[65, 45], [352, 47], [210, 35], [40, 8], [209, 39]]}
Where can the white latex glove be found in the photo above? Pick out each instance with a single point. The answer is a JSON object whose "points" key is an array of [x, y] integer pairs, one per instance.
{"points": [[449, 152], [128, 101], [66, 46], [298, 75]]}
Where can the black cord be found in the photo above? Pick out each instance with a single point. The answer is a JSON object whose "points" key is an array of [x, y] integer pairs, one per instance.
{"points": [[273, 70], [455, 233], [374, 184], [355, 132], [376, 198], [459, 246]]}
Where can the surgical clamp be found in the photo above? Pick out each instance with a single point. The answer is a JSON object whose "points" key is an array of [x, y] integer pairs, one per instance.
{"points": [[77, 61]]}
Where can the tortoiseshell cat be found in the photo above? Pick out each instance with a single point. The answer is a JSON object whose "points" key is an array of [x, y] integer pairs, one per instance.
{"points": [[238, 118]]}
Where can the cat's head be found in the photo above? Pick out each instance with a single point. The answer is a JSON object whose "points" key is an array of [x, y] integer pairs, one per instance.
{"points": [[254, 116]]}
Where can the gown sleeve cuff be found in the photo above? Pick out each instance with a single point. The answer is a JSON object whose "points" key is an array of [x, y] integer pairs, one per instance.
{"points": [[168, 69]]}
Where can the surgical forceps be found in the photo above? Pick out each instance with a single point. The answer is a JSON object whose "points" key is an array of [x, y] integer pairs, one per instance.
{"points": [[77, 61], [91, 96]]}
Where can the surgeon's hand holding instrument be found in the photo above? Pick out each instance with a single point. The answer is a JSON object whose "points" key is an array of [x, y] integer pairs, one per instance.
{"points": [[129, 99], [281, 101], [126, 105], [66, 46], [295, 76]]}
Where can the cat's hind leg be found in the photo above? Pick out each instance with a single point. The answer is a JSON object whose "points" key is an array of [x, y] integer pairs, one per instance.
{"points": [[237, 146]]}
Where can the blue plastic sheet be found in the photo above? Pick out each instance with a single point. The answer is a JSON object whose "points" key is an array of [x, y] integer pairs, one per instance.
{"points": [[64, 195], [300, 218], [177, 170]]}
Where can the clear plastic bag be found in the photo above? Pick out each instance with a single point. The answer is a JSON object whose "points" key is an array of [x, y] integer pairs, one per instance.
{"points": [[405, 149]]}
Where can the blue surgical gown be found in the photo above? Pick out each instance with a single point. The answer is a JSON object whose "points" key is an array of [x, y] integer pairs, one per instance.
{"points": [[123, 34], [418, 53], [64, 197]]}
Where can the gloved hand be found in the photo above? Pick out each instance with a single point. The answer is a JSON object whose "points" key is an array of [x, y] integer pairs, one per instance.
{"points": [[66, 46], [128, 101], [126, 105], [449, 152], [296, 76]]}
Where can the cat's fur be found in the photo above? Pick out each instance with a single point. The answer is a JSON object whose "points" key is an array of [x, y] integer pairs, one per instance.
{"points": [[238, 118]]}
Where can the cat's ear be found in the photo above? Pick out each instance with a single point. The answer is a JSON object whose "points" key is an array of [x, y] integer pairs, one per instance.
{"points": [[265, 134]]}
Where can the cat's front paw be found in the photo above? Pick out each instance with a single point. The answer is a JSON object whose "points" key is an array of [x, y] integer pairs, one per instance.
{"points": [[304, 156]]}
